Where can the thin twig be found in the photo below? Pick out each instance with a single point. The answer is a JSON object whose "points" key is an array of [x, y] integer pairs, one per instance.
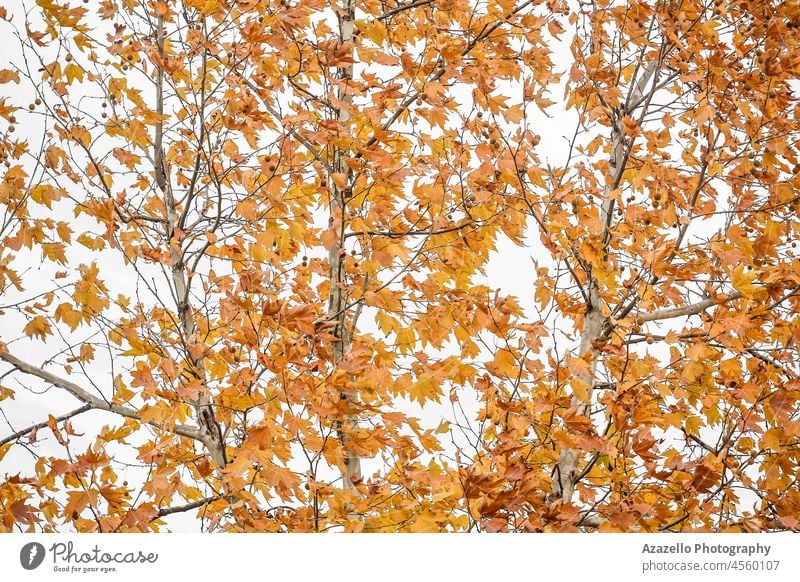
{"points": [[44, 423]]}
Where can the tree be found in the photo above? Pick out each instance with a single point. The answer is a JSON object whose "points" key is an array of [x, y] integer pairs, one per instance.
{"points": [[264, 230]]}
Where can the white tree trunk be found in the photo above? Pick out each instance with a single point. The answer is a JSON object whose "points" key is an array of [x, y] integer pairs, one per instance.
{"points": [[337, 312], [210, 429], [594, 322]]}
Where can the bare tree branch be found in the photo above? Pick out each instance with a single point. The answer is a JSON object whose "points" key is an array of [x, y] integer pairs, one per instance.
{"points": [[684, 310], [403, 7], [188, 507], [94, 401], [43, 424]]}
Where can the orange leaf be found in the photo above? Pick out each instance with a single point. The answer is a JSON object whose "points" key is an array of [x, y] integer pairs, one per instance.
{"points": [[7, 76], [39, 327]]}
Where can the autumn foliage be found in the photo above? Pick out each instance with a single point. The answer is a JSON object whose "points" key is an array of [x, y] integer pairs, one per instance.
{"points": [[248, 271]]}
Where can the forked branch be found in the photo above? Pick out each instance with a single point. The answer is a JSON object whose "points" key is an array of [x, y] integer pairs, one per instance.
{"points": [[94, 401]]}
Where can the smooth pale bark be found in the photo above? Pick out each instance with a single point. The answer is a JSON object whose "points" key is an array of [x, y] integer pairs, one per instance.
{"points": [[594, 322], [209, 428], [685, 310], [337, 310]]}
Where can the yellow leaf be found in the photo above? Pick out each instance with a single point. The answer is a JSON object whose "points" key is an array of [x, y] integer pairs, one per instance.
{"points": [[329, 238], [152, 414], [426, 388], [578, 366], [73, 72], [444, 427], [340, 180], [374, 30], [38, 326], [425, 522], [121, 392], [127, 158], [66, 314], [772, 439], [7, 76], [54, 252], [77, 501], [45, 194], [91, 242], [387, 323], [137, 133], [742, 281], [86, 353], [64, 231], [247, 209], [705, 113], [693, 425], [514, 114], [405, 340], [505, 363], [581, 390]]}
